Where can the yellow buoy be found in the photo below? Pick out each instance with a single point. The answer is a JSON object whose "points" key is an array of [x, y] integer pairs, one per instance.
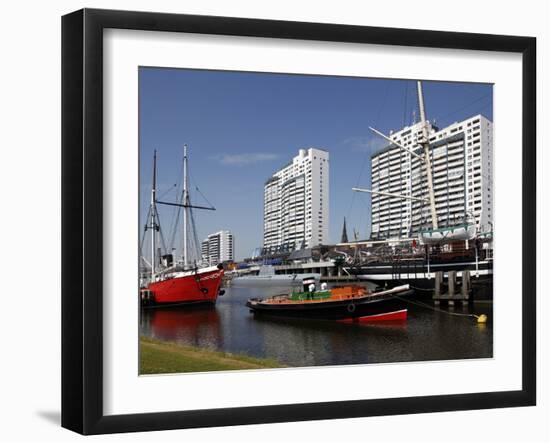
{"points": [[481, 318]]}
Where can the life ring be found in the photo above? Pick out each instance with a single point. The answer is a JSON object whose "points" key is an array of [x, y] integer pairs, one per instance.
{"points": [[351, 308]]}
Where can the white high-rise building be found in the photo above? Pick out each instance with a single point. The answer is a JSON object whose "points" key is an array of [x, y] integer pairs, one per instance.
{"points": [[218, 248], [296, 200], [462, 171]]}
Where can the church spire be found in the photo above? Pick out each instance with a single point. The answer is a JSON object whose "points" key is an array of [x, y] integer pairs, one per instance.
{"points": [[344, 238]]}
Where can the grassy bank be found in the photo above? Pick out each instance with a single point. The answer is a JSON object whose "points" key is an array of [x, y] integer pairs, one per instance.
{"points": [[158, 357]]}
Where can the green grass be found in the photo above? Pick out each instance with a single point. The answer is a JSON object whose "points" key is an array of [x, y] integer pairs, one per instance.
{"points": [[158, 357]]}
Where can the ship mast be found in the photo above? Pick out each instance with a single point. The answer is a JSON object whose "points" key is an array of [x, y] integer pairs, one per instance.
{"points": [[185, 205], [153, 215], [425, 142]]}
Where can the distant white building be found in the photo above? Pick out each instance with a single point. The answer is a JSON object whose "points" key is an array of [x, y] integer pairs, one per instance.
{"points": [[462, 166], [296, 202], [218, 247]]}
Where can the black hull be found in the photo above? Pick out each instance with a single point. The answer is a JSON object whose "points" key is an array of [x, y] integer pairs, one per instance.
{"points": [[335, 310], [418, 269], [421, 277]]}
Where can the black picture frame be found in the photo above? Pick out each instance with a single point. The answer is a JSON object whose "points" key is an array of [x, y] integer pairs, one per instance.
{"points": [[82, 190]]}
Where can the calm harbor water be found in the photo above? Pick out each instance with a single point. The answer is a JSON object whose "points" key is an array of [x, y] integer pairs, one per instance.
{"points": [[230, 327]]}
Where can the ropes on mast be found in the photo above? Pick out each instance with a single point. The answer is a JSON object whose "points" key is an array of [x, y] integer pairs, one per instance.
{"points": [[176, 212], [163, 243], [191, 250], [142, 241], [192, 234], [369, 150], [191, 245]]}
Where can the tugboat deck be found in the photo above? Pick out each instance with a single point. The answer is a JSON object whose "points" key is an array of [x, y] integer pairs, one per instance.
{"points": [[327, 296]]}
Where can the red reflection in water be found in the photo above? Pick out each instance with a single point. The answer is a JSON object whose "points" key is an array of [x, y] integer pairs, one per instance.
{"points": [[173, 323], [390, 325]]}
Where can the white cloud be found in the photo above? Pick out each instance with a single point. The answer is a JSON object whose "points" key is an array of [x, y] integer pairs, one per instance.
{"points": [[365, 143], [245, 158]]}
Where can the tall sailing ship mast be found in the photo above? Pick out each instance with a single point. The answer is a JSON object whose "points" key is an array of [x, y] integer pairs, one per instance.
{"points": [[465, 231], [172, 282], [385, 268]]}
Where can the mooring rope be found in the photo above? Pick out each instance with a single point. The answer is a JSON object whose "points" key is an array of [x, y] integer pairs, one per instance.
{"points": [[480, 318], [483, 317]]}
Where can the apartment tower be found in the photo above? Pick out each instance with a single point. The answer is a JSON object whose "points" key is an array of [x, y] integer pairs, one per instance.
{"points": [[296, 199]]}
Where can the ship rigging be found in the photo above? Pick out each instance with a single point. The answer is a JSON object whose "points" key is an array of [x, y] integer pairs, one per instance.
{"points": [[466, 230], [170, 280]]}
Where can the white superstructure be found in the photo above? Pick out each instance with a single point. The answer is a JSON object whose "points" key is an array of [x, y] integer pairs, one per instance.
{"points": [[461, 156], [296, 200], [268, 277], [218, 247]]}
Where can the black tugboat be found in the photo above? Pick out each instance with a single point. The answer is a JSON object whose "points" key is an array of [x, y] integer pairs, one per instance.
{"points": [[348, 303]]}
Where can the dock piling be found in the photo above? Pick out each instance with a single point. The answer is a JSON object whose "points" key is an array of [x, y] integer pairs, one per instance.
{"points": [[455, 292], [451, 282], [465, 290], [438, 284]]}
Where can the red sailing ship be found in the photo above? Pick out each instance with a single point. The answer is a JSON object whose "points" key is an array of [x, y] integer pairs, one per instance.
{"points": [[171, 282]]}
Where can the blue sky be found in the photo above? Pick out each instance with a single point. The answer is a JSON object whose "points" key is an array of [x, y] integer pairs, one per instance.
{"points": [[241, 127]]}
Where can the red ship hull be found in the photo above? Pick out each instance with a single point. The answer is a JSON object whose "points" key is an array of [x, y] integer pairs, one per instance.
{"points": [[388, 316], [201, 286]]}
